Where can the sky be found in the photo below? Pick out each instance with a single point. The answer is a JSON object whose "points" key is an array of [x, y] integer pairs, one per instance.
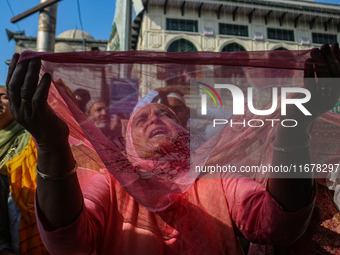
{"points": [[96, 15]]}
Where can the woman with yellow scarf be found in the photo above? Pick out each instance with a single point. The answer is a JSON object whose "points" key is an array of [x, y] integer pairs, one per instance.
{"points": [[18, 230]]}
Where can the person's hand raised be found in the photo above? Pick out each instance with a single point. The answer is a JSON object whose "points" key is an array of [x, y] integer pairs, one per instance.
{"points": [[322, 79], [28, 102]]}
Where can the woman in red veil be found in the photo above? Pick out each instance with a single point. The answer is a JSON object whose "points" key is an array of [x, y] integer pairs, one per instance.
{"points": [[123, 214]]}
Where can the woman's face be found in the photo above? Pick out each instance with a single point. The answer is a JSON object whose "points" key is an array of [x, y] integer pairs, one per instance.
{"points": [[5, 113], [153, 129]]}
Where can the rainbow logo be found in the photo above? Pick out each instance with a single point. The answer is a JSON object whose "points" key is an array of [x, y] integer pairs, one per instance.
{"points": [[209, 93]]}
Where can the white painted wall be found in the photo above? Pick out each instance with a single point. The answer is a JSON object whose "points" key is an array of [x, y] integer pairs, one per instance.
{"points": [[154, 37]]}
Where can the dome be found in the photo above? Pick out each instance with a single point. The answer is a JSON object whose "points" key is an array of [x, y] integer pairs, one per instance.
{"points": [[62, 47], [75, 34]]}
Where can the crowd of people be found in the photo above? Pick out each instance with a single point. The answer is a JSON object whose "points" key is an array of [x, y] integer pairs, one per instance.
{"points": [[155, 206]]}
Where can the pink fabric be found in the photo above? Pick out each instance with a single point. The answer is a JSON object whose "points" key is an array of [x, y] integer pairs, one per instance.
{"points": [[101, 73], [124, 215], [199, 222], [284, 60]]}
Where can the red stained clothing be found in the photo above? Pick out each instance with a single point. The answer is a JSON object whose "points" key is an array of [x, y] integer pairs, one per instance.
{"points": [[203, 220]]}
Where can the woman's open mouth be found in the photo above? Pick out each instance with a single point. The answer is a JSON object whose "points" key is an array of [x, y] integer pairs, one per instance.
{"points": [[159, 131]]}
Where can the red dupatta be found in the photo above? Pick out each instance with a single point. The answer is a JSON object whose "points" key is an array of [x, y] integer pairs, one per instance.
{"points": [[120, 79]]}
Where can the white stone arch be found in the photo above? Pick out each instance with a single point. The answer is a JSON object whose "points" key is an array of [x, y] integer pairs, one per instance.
{"points": [[187, 38], [239, 42], [285, 46]]}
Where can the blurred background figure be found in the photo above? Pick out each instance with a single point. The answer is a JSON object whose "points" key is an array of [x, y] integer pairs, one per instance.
{"points": [[174, 99], [10, 216], [171, 97], [18, 229], [97, 112], [82, 97]]}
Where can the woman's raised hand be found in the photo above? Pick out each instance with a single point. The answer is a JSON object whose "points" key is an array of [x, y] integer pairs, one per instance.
{"points": [[28, 102], [322, 73], [59, 201]]}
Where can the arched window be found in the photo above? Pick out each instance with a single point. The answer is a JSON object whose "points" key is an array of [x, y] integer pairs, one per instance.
{"points": [[233, 47], [281, 48], [181, 45]]}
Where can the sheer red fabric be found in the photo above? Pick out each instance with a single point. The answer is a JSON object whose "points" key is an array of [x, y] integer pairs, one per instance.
{"points": [[118, 80]]}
